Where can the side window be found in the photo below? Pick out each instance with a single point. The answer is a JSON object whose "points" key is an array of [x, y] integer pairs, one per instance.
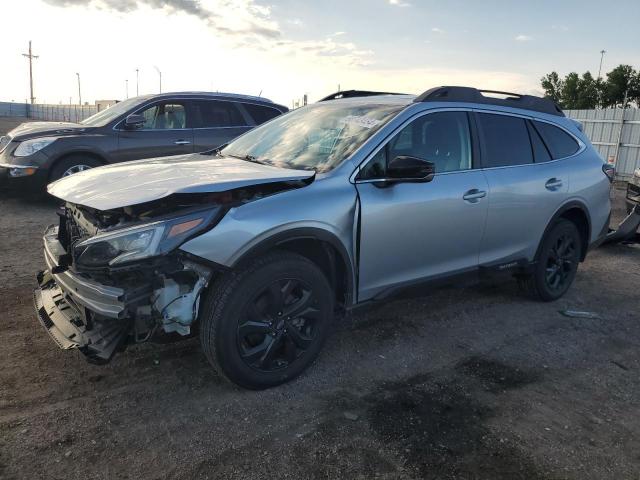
{"points": [[214, 113], [505, 140], [442, 138], [260, 113], [164, 116], [540, 151], [560, 143]]}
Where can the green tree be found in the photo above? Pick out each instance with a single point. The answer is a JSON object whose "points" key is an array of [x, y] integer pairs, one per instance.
{"points": [[570, 93], [552, 85], [622, 79], [588, 91]]}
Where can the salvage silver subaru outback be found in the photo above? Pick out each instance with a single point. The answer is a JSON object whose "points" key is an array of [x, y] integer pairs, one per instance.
{"points": [[255, 246]]}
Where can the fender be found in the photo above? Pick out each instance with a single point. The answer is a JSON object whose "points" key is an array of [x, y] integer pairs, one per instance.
{"points": [[306, 233], [571, 204]]}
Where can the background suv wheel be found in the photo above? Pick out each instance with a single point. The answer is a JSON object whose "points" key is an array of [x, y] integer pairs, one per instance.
{"points": [[265, 323], [556, 264], [72, 164]]}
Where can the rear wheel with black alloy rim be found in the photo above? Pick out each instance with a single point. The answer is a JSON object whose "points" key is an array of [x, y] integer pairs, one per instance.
{"points": [[556, 264], [265, 323]]}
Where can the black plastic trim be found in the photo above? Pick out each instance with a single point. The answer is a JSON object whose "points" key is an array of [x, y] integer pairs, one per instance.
{"points": [[355, 93], [311, 233], [474, 95]]}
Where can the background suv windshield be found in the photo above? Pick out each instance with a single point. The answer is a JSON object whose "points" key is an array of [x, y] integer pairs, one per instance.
{"points": [[317, 137], [105, 116]]}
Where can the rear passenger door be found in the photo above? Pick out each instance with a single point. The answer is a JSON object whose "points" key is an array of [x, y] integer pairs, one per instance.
{"points": [[217, 122], [526, 186]]}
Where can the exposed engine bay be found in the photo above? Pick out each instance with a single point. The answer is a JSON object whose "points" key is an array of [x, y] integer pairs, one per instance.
{"points": [[116, 277]]}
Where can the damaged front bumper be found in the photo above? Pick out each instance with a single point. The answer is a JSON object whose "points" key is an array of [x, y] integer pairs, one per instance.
{"points": [[70, 327], [97, 319]]}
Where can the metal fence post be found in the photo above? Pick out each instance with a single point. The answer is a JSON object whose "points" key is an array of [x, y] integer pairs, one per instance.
{"points": [[624, 110]]}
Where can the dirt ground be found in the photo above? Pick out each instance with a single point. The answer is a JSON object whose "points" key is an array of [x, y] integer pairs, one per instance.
{"points": [[469, 383]]}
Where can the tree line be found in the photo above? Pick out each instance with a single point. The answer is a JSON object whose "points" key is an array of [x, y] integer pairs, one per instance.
{"points": [[585, 92]]}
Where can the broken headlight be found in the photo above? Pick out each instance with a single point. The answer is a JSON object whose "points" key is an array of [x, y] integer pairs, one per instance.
{"points": [[142, 241]]}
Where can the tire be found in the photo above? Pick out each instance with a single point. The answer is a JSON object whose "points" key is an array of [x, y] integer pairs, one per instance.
{"points": [[556, 263], [66, 166], [246, 332]]}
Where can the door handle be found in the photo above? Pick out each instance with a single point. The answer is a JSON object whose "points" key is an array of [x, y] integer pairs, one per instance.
{"points": [[553, 184], [182, 142], [474, 195]]}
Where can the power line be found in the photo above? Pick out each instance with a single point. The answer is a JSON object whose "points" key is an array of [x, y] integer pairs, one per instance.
{"points": [[30, 56]]}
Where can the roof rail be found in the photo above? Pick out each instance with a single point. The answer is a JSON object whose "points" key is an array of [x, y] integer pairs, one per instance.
{"points": [[355, 93], [474, 95]]}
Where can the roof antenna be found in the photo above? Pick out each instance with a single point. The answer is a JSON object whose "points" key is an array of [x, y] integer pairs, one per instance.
{"points": [[260, 94]]}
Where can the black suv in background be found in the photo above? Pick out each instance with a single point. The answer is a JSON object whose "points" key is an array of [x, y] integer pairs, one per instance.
{"points": [[148, 126]]}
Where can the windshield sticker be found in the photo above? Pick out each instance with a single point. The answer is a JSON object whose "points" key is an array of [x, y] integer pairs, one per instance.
{"points": [[360, 121]]}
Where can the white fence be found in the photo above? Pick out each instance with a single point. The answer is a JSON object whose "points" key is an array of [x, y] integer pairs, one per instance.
{"points": [[615, 133], [38, 111]]}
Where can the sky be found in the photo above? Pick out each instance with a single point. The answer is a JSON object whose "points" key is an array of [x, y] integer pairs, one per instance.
{"points": [[283, 49]]}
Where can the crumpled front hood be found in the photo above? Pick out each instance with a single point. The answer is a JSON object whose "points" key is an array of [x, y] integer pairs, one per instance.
{"points": [[42, 129], [132, 183]]}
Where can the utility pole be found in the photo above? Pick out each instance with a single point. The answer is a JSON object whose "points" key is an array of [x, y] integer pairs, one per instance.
{"points": [[79, 92], [137, 78], [126, 88], [602, 52], [160, 76], [30, 56]]}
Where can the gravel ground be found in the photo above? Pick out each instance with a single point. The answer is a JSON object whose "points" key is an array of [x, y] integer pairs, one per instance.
{"points": [[474, 383]]}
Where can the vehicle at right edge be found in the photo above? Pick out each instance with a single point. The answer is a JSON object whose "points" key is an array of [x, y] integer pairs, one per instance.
{"points": [[349, 201]]}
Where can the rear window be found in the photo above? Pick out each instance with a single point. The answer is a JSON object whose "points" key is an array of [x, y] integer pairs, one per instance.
{"points": [[214, 113], [505, 140], [559, 142], [261, 113]]}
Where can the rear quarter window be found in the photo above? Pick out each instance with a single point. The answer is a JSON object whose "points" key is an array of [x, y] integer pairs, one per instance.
{"points": [[260, 113], [559, 142]]}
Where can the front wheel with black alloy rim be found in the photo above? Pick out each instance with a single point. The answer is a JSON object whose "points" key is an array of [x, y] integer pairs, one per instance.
{"points": [[265, 323], [556, 263], [71, 165]]}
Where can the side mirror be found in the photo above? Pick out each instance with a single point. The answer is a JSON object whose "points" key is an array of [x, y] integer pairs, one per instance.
{"points": [[134, 121], [405, 168]]}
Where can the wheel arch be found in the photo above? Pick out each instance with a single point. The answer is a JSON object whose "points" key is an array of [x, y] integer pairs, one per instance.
{"points": [[323, 248], [85, 152], [576, 212]]}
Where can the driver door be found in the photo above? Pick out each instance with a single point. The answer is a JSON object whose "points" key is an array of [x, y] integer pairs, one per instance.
{"points": [[414, 231], [166, 131]]}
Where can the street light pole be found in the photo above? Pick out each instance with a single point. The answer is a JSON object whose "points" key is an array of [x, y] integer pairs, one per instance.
{"points": [[159, 76], [126, 87], [79, 92], [602, 52], [137, 78]]}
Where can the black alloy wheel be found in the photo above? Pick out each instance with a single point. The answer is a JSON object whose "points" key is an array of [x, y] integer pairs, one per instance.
{"points": [[264, 323], [561, 262], [556, 263], [278, 325]]}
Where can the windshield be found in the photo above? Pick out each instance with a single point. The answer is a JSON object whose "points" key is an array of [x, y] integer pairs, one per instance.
{"points": [[317, 137], [103, 117]]}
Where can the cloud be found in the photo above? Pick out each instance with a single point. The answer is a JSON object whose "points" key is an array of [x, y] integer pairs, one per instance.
{"points": [[243, 23], [399, 3], [523, 38], [437, 30], [337, 34]]}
